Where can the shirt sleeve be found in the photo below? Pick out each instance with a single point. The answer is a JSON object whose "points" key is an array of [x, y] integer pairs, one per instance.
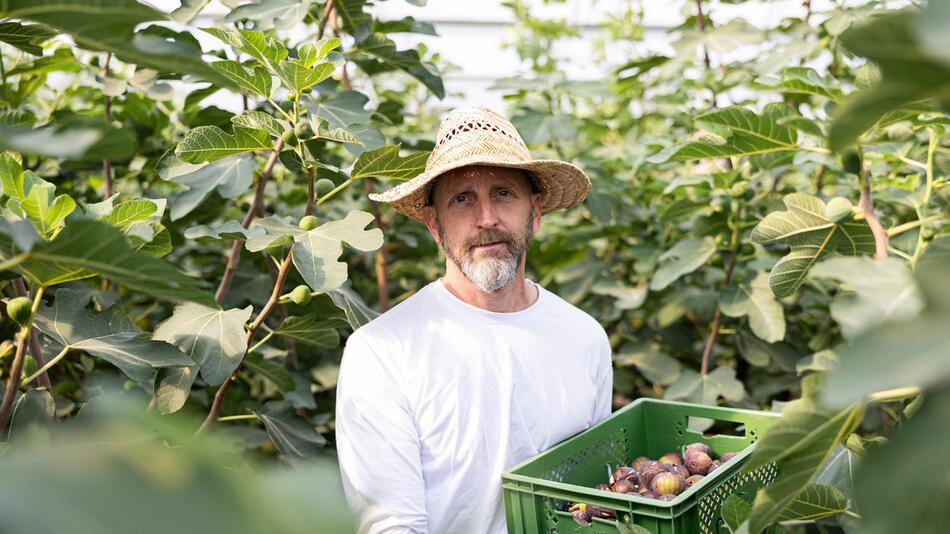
{"points": [[378, 446], [604, 381]]}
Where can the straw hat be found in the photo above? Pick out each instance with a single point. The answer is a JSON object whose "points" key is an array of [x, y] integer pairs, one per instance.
{"points": [[479, 136]]}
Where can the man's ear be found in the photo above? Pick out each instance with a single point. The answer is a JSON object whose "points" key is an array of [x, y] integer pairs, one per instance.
{"points": [[429, 216], [536, 223]]}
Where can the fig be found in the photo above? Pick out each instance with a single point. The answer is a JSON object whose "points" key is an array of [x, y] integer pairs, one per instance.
{"points": [[650, 495], [680, 470], [602, 487], [668, 483], [639, 462], [300, 295], [702, 447], [649, 470], [308, 223], [726, 457], [624, 472], [693, 480], [601, 512], [667, 497], [324, 186], [671, 458], [581, 517], [713, 466], [624, 486], [697, 462], [303, 130], [20, 309], [289, 137]]}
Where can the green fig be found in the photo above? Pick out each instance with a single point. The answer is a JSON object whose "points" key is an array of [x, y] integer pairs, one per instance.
{"points": [[308, 223], [20, 309], [300, 295], [665, 483], [671, 458], [324, 186]]}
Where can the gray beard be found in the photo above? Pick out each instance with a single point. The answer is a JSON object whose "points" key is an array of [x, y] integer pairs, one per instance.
{"points": [[490, 273]]}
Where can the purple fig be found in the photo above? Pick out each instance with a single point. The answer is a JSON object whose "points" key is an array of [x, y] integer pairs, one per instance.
{"points": [[697, 462], [639, 462], [650, 495], [650, 470], [601, 512], [581, 517], [623, 472], [726, 457], [667, 497], [702, 447], [668, 483], [680, 470], [671, 458], [602, 487], [695, 479], [624, 486], [713, 466]]}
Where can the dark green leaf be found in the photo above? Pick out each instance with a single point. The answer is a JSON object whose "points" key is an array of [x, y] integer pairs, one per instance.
{"points": [[213, 338], [311, 330], [25, 37], [294, 437]]}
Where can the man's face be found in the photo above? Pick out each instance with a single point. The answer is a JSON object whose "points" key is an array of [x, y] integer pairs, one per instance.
{"points": [[484, 218]]}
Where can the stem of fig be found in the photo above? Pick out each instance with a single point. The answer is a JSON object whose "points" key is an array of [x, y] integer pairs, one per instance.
{"points": [[46, 367]]}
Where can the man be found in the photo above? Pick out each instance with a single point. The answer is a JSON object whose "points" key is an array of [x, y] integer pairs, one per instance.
{"points": [[480, 369]]}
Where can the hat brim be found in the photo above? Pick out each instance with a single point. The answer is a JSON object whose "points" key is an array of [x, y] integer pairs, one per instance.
{"points": [[563, 185]]}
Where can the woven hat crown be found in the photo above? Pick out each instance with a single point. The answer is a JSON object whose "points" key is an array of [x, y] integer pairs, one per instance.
{"points": [[472, 131]]}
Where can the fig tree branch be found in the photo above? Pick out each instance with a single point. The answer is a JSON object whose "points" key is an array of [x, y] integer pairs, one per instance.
{"points": [[13, 382], [35, 348], [717, 315], [867, 207]]}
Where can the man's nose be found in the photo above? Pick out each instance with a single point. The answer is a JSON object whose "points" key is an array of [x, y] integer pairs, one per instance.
{"points": [[487, 216]]}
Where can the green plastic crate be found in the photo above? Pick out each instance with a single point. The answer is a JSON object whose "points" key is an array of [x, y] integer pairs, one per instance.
{"points": [[535, 490]]}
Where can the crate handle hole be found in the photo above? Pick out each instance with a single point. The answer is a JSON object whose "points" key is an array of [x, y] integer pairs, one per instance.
{"points": [[710, 428]]}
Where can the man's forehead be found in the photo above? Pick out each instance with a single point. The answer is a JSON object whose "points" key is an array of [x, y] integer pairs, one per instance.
{"points": [[491, 175]]}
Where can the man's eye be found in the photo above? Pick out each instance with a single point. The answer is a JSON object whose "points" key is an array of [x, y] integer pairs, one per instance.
{"points": [[504, 192], [459, 198]]}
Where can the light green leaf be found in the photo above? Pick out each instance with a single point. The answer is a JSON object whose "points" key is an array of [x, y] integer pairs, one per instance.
{"points": [[815, 502], [386, 163], [257, 80], [824, 360], [628, 298], [271, 14], [109, 25], [273, 371], [357, 312], [294, 437], [213, 338], [87, 248], [657, 367], [27, 38], [880, 291], [276, 231], [208, 143], [173, 386], [799, 443], [750, 134], [343, 109], [693, 387], [230, 176], [126, 213], [909, 498], [310, 53], [227, 230], [258, 120], [734, 511], [109, 335], [683, 258], [754, 299], [262, 47], [317, 252], [43, 210], [311, 330], [339, 135], [298, 77], [811, 236], [188, 11], [383, 50], [909, 73], [805, 80]]}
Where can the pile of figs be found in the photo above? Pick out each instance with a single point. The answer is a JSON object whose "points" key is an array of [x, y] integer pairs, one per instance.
{"points": [[662, 479]]}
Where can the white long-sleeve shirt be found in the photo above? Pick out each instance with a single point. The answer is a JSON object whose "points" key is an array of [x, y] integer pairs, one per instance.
{"points": [[436, 398]]}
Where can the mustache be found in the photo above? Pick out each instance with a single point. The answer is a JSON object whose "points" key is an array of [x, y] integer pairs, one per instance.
{"points": [[490, 236]]}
